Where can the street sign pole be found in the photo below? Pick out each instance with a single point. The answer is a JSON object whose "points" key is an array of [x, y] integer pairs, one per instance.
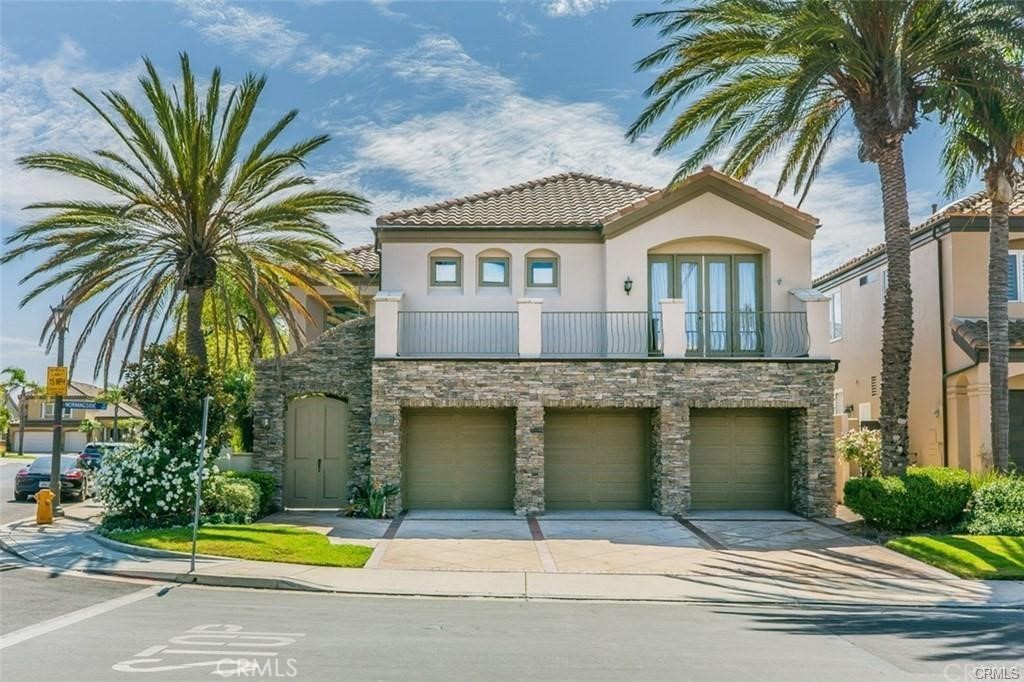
{"points": [[199, 481], [58, 415]]}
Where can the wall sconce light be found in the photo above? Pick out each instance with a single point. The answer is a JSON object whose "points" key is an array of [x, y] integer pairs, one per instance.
{"points": [[627, 286]]}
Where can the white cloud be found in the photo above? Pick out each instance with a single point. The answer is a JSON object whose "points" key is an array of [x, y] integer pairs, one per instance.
{"points": [[267, 39], [570, 8], [441, 60]]}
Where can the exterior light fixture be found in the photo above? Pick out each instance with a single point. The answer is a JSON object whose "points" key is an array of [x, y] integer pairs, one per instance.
{"points": [[627, 286]]}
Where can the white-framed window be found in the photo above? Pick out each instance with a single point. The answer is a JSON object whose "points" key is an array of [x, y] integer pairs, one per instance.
{"points": [[835, 315], [864, 412], [838, 402], [48, 411], [1015, 277]]}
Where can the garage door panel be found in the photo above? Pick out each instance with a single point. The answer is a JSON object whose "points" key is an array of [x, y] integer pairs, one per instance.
{"points": [[458, 459], [596, 459], [739, 459]]}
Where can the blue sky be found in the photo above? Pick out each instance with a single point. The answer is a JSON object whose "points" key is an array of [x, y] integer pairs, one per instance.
{"points": [[424, 101]]}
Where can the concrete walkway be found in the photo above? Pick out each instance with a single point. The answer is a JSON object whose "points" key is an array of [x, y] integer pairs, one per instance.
{"points": [[731, 578]]}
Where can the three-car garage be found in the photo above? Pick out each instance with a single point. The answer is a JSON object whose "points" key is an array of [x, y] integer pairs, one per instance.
{"points": [[593, 458]]}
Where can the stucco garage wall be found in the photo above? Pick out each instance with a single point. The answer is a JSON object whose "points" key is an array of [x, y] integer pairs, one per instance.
{"points": [[668, 388]]}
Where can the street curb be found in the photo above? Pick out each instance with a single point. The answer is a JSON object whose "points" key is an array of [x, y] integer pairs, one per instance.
{"points": [[149, 552]]}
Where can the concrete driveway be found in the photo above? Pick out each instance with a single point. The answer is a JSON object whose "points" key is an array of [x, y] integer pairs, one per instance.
{"points": [[777, 545]]}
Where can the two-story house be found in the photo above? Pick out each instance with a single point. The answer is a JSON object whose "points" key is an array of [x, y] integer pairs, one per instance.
{"points": [[39, 410], [572, 342], [949, 417]]}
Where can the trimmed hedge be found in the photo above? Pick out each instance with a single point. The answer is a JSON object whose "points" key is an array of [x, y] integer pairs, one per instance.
{"points": [[266, 483], [924, 497], [997, 507], [232, 495]]}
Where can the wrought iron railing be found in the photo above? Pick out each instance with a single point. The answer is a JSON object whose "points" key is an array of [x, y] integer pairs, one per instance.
{"points": [[598, 334], [747, 333], [458, 333]]}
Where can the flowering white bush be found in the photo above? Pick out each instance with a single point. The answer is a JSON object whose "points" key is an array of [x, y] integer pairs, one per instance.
{"points": [[149, 481]]}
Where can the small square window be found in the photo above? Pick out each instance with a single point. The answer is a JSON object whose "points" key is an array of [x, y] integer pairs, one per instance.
{"points": [[445, 271], [542, 272], [494, 272]]}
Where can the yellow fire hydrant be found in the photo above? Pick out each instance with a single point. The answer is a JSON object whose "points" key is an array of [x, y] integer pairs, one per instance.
{"points": [[44, 508]]}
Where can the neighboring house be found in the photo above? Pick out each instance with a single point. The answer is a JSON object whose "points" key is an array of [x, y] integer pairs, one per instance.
{"points": [[342, 308], [573, 342], [949, 416], [40, 413]]}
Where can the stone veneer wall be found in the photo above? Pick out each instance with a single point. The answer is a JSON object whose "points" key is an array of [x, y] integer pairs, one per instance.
{"points": [[669, 388], [337, 364]]}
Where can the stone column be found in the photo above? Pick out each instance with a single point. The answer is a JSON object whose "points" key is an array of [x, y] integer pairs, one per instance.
{"points": [[673, 327], [671, 470], [386, 448], [529, 483], [530, 341], [386, 305], [268, 424], [813, 465]]}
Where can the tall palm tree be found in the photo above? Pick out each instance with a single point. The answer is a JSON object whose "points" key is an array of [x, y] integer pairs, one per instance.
{"points": [[17, 381], [189, 207], [985, 134], [774, 77]]}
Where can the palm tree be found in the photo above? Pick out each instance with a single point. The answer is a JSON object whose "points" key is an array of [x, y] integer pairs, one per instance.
{"points": [[985, 134], [18, 382], [780, 77], [115, 395], [189, 207]]}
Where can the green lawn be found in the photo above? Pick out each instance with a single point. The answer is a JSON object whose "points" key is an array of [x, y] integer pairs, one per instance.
{"points": [[259, 542], [988, 557]]}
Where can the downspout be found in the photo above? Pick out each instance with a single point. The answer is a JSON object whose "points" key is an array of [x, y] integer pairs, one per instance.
{"points": [[942, 349]]}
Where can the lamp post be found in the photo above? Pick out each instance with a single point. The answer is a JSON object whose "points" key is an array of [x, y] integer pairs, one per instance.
{"points": [[58, 413]]}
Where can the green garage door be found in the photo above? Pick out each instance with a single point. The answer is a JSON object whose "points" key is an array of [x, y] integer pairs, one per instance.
{"points": [[596, 459], [458, 459], [1017, 429], [739, 459]]}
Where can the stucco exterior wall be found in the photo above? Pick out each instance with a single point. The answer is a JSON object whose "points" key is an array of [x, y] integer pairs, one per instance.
{"points": [[581, 278], [787, 255]]}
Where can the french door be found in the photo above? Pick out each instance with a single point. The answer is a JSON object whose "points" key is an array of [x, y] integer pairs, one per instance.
{"points": [[723, 295]]}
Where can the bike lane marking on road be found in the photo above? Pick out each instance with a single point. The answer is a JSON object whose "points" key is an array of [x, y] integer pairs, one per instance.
{"points": [[33, 631]]}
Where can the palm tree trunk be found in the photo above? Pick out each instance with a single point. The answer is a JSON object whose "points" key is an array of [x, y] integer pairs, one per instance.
{"points": [[195, 342], [1000, 192], [117, 434], [897, 321], [22, 404]]}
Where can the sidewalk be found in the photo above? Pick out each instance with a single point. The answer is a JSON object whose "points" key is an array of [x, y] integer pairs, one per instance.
{"points": [[70, 545]]}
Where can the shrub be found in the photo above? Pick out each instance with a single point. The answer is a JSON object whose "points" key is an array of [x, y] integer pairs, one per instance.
{"points": [[151, 481], [997, 507], [169, 386], [370, 500], [267, 484], [863, 448], [229, 495], [924, 497]]}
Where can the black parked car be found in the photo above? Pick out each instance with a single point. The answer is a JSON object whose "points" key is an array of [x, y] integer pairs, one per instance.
{"points": [[74, 478]]}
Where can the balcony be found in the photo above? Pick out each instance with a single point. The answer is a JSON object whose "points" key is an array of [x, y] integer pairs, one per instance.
{"points": [[532, 332]]}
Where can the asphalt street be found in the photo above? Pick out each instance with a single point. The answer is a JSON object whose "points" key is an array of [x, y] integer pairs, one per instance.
{"points": [[10, 510], [106, 630]]}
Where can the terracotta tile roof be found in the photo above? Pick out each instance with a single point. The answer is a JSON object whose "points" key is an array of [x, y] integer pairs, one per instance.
{"points": [[365, 257], [973, 331], [976, 205], [564, 200]]}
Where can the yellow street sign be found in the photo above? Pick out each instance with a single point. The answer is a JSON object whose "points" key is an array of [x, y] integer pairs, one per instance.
{"points": [[56, 381]]}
